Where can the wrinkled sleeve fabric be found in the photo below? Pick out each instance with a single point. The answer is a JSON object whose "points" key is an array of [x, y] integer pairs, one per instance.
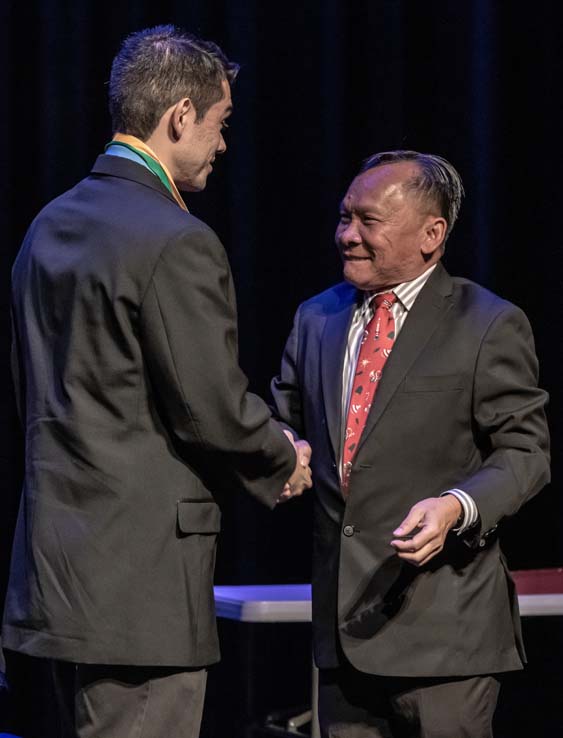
{"points": [[509, 415], [189, 337]]}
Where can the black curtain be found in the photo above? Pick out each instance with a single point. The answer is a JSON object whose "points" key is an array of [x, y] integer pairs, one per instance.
{"points": [[323, 84]]}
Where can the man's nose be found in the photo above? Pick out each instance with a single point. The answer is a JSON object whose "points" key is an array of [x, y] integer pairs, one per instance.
{"points": [[222, 146], [348, 234]]}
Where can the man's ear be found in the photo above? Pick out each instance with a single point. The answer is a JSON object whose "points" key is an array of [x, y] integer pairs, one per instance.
{"points": [[181, 118], [434, 235]]}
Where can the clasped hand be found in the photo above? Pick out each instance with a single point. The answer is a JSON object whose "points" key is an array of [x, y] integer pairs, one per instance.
{"points": [[423, 532], [301, 478]]}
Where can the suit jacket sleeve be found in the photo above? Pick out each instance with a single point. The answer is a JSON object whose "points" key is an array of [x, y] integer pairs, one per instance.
{"points": [[16, 378], [285, 387], [510, 420], [189, 337]]}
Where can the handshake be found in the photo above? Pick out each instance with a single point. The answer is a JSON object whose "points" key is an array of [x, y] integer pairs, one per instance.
{"points": [[301, 478]]}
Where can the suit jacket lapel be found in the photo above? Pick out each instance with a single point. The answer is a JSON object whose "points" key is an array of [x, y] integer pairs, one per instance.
{"points": [[431, 305], [333, 349]]}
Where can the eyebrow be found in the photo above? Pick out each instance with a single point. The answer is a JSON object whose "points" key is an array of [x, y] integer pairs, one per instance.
{"points": [[370, 209]]}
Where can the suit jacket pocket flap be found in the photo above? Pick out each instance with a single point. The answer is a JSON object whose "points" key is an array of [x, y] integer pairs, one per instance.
{"points": [[440, 383], [199, 516]]}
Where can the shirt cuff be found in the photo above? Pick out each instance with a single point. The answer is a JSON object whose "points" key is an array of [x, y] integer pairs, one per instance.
{"points": [[470, 513]]}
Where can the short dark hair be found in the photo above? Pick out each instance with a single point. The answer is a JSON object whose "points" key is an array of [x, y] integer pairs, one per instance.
{"points": [[156, 68], [438, 182]]}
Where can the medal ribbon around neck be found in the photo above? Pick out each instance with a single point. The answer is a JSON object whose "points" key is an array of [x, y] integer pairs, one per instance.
{"points": [[156, 166]]}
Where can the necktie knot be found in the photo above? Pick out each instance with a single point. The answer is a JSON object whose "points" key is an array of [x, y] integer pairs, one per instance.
{"points": [[384, 300]]}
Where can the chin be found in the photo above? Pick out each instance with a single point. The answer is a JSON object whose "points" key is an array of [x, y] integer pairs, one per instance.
{"points": [[194, 182], [360, 281], [190, 186]]}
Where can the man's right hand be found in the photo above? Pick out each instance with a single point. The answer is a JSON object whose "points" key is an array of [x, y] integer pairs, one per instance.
{"points": [[301, 478]]}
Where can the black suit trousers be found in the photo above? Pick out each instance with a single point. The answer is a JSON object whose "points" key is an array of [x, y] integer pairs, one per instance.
{"points": [[357, 705], [98, 701]]}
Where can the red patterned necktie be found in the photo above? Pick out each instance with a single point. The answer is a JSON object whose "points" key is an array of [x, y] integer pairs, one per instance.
{"points": [[377, 342]]}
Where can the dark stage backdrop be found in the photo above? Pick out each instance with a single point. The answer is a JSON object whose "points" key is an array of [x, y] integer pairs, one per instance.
{"points": [[323, 84]]}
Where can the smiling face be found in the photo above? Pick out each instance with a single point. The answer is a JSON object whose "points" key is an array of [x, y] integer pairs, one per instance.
{"points": [[386, 234], [199, 142]]}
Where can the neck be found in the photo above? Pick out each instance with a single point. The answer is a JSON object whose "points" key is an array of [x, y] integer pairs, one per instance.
{"points": [[161, 147]]}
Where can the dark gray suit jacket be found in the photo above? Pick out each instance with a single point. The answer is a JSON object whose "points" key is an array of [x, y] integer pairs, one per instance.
{"points": [[136, 417], [458, 406]]}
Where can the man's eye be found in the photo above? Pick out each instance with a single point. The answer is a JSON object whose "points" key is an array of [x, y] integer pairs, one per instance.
{"points": [[224, 125], [344, 217]]}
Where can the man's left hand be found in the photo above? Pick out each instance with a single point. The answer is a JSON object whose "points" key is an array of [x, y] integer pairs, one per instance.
{"points": [[426, 527]]}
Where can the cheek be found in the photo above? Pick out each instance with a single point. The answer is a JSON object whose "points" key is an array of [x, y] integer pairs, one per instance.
{"points": [[373, 247]]}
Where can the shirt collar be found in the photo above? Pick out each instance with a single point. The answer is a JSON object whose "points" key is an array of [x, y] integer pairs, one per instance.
{"points": [[406, 292], [126, 154]]}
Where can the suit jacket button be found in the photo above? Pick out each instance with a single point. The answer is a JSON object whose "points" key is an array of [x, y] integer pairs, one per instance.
{"points": [[349, 530]]}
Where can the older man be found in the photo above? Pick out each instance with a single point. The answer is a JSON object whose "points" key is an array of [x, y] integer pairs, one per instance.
{"points": [[135, 409], [418, 393]]}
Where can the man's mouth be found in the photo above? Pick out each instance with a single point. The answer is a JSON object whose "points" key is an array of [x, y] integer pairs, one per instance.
{"points": [[350, 257]]}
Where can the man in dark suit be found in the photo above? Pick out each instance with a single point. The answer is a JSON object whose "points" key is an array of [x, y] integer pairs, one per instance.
{"points": [[136, 412], [418, 393]]}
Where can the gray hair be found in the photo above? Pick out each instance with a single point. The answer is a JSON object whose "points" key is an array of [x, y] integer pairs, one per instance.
{"points": [[437, 182], [156, 68]]}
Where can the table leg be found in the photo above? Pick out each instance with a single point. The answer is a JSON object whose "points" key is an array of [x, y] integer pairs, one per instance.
{"points": [[315, 728]]}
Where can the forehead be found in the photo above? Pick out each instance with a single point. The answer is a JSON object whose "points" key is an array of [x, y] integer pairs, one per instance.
{"points": [[381, 184]]}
